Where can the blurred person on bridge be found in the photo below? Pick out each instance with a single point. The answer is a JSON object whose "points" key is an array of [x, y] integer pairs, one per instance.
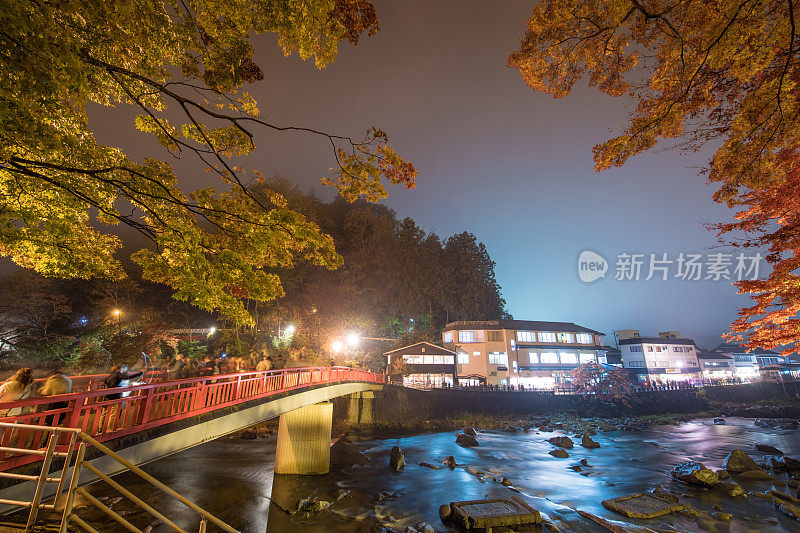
{"points": [[175, 368], [20, 386], [118, 374], [264, 364], [57, 383]]}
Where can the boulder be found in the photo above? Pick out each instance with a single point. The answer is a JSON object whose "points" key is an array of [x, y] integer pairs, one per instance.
{"points": [[445, 514], [449, 462], [731, 489], [723, 474], [719, 515], [695, 473], [587, 442], [506, 482], [468, 441], [561, 442], [397, 461], [561, 453], [790, 509], [738, 461], [470, 431], [783, 463], [754, 474], [769, 450]]}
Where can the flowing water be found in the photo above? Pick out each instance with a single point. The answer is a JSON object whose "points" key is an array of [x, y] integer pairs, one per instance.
{"points": [[234, 479]]}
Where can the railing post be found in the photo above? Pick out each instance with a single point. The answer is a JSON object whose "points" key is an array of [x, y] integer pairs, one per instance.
{"points": [[73, 482], [238, 395], [75, 416], [37, 496], [144, 413]]}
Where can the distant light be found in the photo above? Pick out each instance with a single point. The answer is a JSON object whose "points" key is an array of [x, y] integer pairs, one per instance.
{"points": [[313, 309], [352, 339], [680, 364], [290, 329], [116, 312], [212, 330], [337, 346], [411, 320]]}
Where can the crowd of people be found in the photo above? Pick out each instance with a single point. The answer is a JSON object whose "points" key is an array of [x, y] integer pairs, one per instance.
{"points": [[22, 385]]}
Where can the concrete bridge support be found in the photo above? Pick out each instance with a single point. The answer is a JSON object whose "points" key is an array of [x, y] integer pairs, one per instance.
{"points": [[304, 440], [359, 407]]}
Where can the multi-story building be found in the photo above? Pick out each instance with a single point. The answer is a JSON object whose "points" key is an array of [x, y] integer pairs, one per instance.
{"points": [[529, 353], [715, 365], [668, 357], [748, 363], [421, 365]]}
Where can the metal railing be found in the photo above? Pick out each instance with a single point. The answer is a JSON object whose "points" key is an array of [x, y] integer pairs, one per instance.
{"points": [[78, 441], [104, 416]]}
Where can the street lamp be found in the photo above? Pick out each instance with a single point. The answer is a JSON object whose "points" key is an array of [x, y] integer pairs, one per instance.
{"points": [[352, 339], [117, 313], [211, 330], [290, 329], [337, 346]]}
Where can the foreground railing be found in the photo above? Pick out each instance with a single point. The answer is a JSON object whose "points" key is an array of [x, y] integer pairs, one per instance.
{"points": [[78, 441], [98, 414]]}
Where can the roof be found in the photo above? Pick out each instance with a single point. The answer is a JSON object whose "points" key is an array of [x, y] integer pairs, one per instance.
{"points": [[416, 349], [738, 348], [654, 340], [533, 325], [705, 354]]}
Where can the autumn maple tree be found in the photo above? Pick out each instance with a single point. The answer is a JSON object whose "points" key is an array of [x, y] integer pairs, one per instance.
{"points": [[723, 72], [183, 64], [592, 379]]}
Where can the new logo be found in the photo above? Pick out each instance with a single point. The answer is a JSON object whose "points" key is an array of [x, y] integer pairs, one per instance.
{"points": [[591, 266]]}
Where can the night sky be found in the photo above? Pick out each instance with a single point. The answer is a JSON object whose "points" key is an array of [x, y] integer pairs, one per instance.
{"points": [[494, 158]]}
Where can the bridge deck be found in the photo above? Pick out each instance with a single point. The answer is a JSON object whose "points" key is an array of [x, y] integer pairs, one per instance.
{"points": [[148, 406]]}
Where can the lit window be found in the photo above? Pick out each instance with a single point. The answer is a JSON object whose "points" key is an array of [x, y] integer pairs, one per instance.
{"points": [[476, 354], [636, 348], [549, 357], [663, 364], [470, 336], [677, 348], [649, 348], [447, 359], [438, 359], [567, 338], [526, 336], [448, 336], [534, 357], [569, 358], [587, 358], [498, 358], [463, 358], [547, 337], [584, 338], [427, 359]]}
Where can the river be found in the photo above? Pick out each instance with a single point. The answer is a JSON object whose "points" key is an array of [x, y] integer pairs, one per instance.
{"points": [[234, 479]]}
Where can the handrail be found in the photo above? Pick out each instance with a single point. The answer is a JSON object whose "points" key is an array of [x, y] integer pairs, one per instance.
{"points": [[67, 514], [103, 416]]}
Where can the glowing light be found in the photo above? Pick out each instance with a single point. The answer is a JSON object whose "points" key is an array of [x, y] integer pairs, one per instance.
{"points": [[337, 346], [290, 329], [679, 364], [212, 330], [352, 339], [116, 312]]}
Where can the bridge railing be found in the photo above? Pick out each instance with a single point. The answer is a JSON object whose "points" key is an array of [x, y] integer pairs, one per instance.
{"points": [[104, 415]]}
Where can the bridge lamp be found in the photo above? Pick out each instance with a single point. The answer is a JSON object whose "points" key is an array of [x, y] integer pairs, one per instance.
{"points": [[352, 339], [337, 346]]}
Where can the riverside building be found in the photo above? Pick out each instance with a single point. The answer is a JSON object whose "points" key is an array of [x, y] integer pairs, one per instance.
{"points": [[422, 366], [527, 353], [668, 357]]}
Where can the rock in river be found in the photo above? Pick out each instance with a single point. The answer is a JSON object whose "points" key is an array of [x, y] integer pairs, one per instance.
{"points": [[783, 463], [587, 442], [695, 473], [731, 489], [397, 460], [561, 442], [561, 453], [468, 441], [470, 431], [449, 462], [769, 450], [754, 474], [738, 461]]}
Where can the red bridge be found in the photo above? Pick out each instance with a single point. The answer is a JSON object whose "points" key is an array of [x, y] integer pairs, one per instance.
{"points": [[156, 419]]}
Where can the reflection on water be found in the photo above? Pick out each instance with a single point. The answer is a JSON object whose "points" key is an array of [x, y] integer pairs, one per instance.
{"points": [[234, 479]]}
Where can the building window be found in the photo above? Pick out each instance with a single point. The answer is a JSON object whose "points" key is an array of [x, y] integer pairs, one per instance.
{"points": [[547, 337], [636, 348], [635, 364], [567, 338], [663, 364], [474, 335], [534, 358], [569, 358], [448, 336], [677, 348], [549, 358], [463, 358], [498, 358], [494, 336], [587, 358], [743, 358], [649, 348], [438, 359], [427, 359], [526, 336], [584, 338], [476, 354]]}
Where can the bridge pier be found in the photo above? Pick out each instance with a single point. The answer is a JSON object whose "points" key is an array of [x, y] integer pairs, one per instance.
{"points": [[359, 407], [304, 440]]}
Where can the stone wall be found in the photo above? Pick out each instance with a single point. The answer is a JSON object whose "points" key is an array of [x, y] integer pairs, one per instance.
{"points": [[401, 407]]}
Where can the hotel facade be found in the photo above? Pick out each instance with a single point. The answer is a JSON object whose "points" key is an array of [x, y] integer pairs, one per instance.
{"points": [[668, 357], [527, 353]]}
